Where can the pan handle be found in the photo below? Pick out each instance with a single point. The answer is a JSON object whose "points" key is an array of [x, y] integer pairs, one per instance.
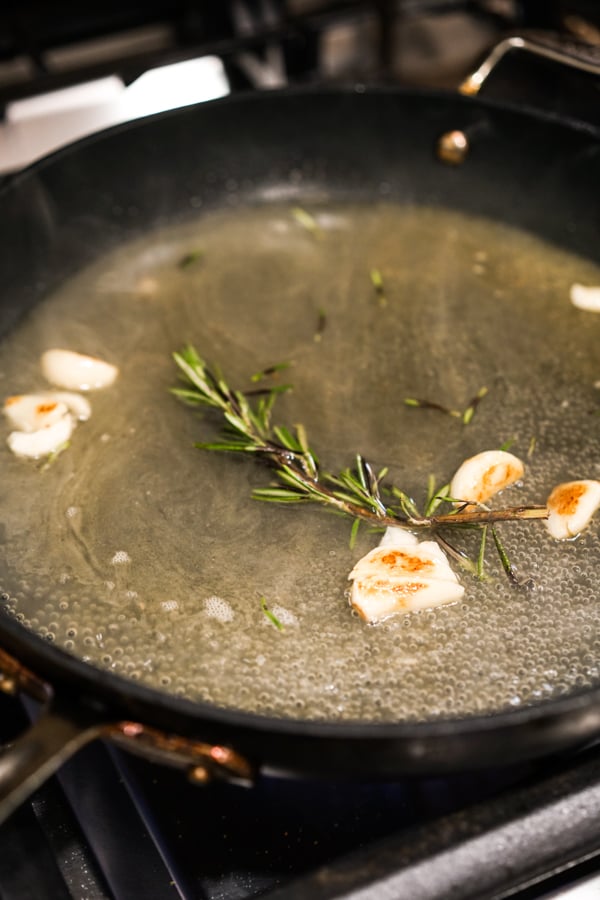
{"points": [[472, 85], [69, 721], [61, 730]]}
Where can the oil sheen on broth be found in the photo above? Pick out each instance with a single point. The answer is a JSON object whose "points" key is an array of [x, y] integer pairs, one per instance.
{"points": [[147, 557]]}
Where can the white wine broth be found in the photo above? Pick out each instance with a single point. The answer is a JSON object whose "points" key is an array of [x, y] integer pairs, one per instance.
{"points": [[146, 556]]}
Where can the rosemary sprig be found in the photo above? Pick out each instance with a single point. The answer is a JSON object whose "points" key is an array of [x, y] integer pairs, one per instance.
{"points": [[357, 492]]}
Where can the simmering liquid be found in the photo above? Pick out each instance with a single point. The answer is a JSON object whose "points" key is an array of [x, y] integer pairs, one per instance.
{"points": [[146, 556]]}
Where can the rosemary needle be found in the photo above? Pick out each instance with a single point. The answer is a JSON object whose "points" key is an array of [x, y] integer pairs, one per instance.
{"points": [[321, 323], [307, 221], [431, 404], [270, 370], [377, 282], [270, 615], [52, 457], [466, 415], [190, 258], [470, 410]]}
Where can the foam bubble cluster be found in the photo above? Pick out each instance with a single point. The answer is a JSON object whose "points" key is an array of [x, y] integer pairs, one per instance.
{"points": [[120, 557], [217, 608], [285, 616]]}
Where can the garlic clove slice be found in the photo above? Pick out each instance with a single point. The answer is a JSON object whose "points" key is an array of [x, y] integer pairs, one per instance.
{"points": [[571, 505], [35, 444], [30, 412], [483, 475], [426, 561], [376, 599], [402, 575], [395, 536], [585, 297], [76, 403], [75, 371]]}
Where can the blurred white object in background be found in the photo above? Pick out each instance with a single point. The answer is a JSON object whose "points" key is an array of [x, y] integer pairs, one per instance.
{"points": [[38, 125]]}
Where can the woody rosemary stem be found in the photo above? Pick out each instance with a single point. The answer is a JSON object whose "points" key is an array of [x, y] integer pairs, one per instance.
{"points": [[319, 492]]}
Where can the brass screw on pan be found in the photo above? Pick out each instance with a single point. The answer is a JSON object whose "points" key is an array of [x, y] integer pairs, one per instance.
{"points": [[452, 148], [199, 774], [8, 685]]}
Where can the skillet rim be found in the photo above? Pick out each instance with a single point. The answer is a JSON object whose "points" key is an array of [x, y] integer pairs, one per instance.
{"points": [[13, 179]]}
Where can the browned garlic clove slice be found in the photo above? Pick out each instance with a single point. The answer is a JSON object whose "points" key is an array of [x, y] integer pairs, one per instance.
{"points": [[30, 412], [76, 403], [35, 444], [585, 297], [75, 371], [400, 576], [483, 475], [571, 505]]}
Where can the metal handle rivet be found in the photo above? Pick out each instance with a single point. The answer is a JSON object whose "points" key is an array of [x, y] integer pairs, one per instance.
{"points": [[452, 148]]}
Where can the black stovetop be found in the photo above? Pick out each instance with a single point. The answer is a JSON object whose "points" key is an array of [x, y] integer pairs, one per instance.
{"points": [[113, 826]]}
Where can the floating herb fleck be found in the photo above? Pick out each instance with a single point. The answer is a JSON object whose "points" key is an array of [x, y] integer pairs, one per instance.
{"points": [[270, 370], [431, 404], [470, 410], [190, 258], [321, 323], [377, 282], [466, 415], [52, 457], [307, 221], [531, 448], [270, 615]]}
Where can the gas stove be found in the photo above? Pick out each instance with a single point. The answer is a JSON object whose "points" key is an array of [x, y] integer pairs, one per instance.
{"points": [[65, 74], [112, 826]]}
